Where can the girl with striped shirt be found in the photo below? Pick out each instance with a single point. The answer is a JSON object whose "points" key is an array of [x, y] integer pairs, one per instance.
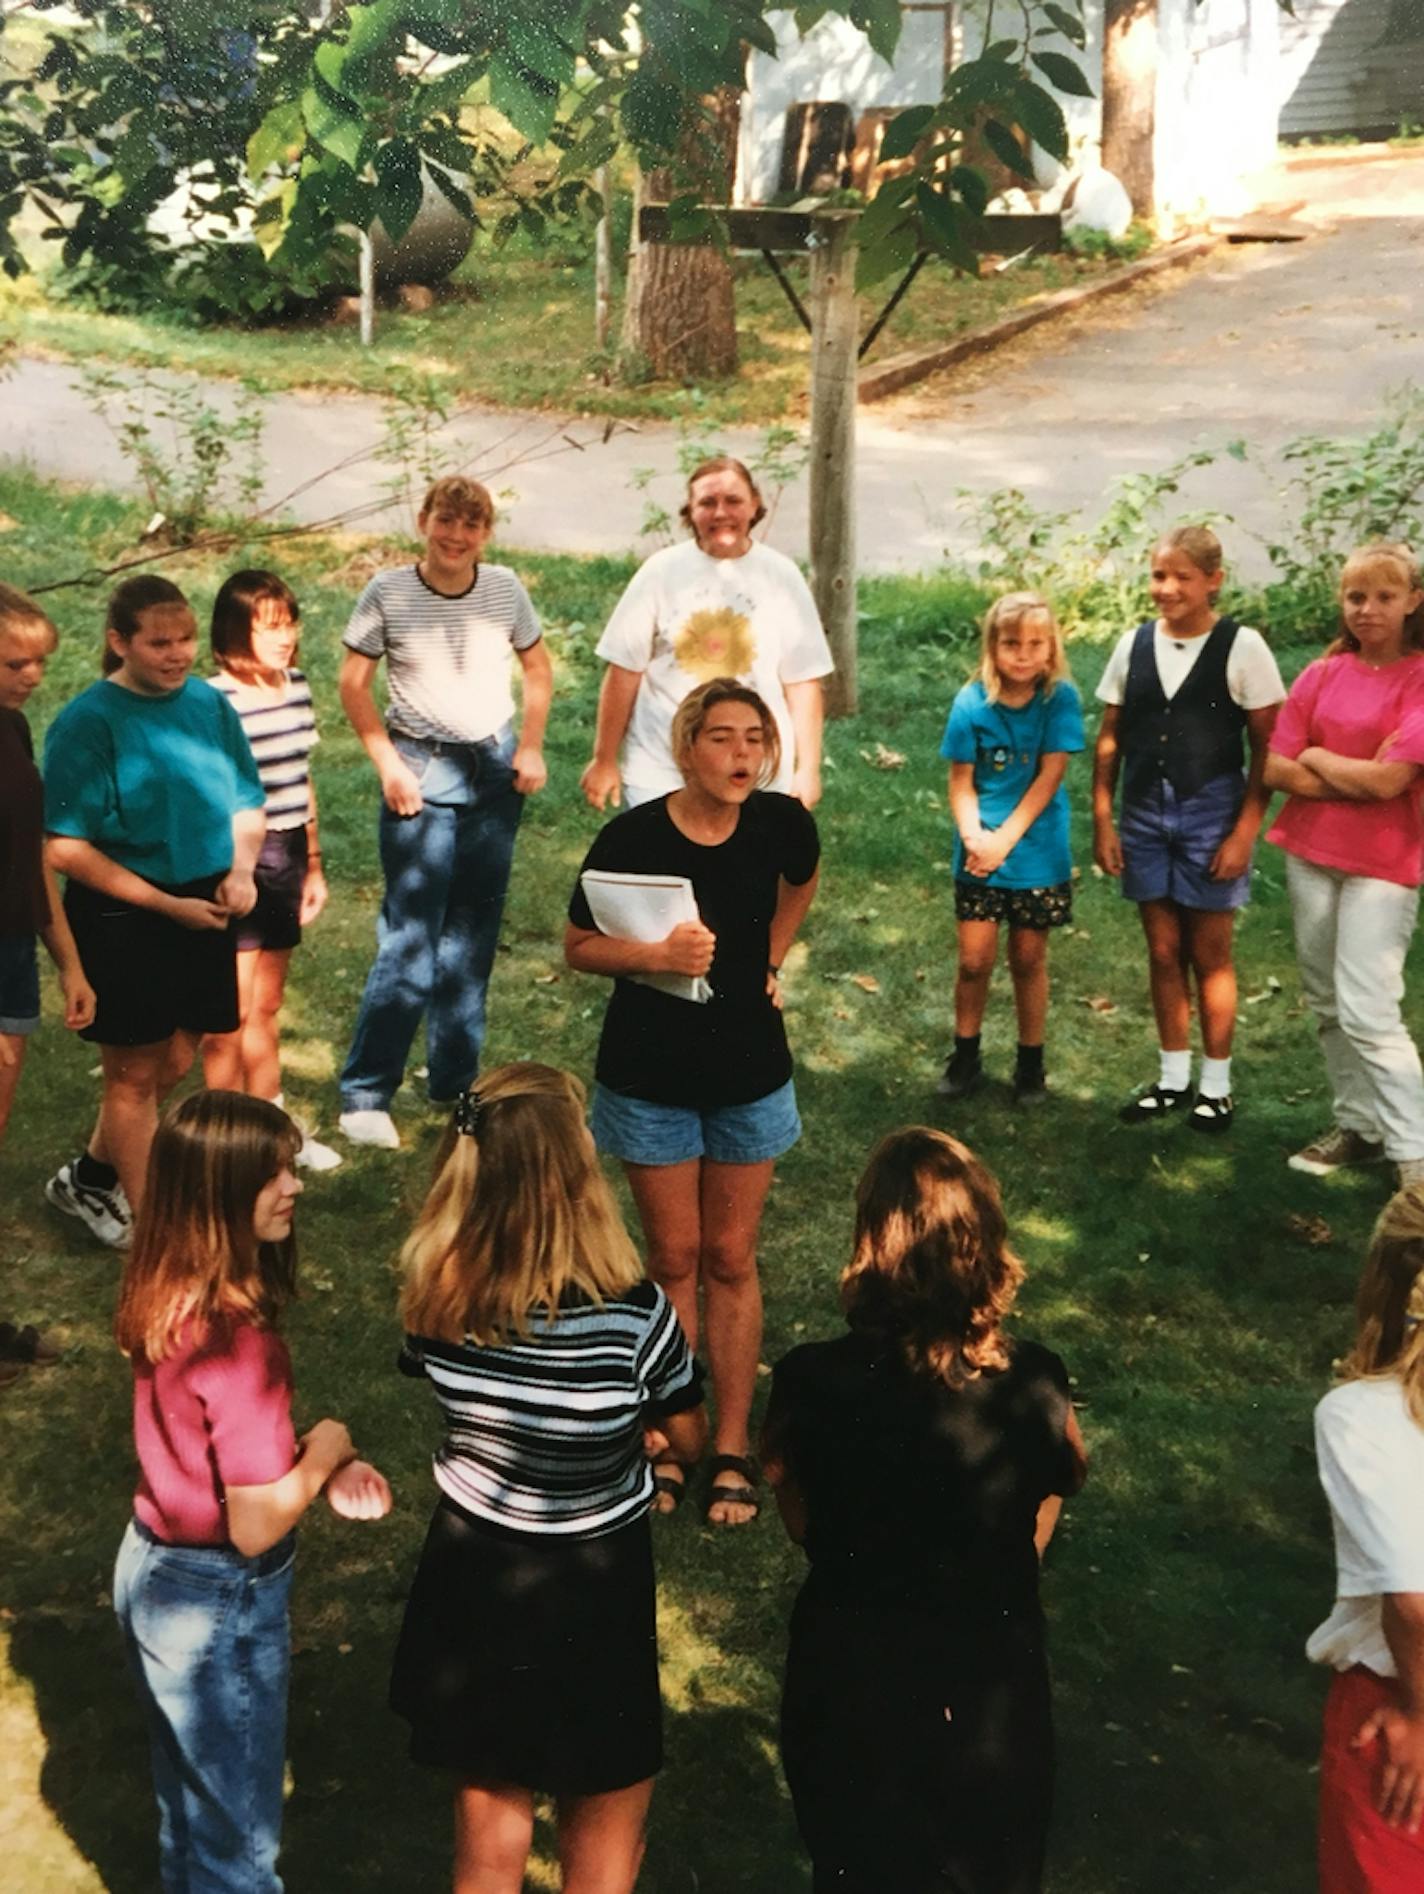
{"points": [[528, 1656], [255, 636]]}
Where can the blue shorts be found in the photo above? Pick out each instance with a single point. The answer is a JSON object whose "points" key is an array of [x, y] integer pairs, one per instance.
{"points": [[640, 1132], [1168, 842], [19, 984]]}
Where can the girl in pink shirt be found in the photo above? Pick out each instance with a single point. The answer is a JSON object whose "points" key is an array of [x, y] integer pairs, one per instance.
{"points": [[205, 1569], [1348, 749]]}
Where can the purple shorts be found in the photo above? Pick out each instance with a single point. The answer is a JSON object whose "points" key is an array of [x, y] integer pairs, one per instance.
{"points": [[1168, 842]]}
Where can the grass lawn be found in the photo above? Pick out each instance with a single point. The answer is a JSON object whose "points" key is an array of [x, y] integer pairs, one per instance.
{"points": [[475, 344], [1198, 1290]]}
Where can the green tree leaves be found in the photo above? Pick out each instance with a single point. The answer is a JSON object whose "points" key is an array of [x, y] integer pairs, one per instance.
{"points": [[309, 124]]}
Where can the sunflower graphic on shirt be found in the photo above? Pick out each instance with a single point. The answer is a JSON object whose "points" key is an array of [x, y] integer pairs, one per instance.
{"points": [[715, 642]]}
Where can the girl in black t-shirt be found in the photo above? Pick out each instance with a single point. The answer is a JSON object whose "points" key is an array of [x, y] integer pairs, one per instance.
{"points": [[921, 1459], [697, 1098]]}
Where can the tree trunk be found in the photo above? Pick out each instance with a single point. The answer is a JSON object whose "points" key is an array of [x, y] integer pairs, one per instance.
{"points": [[679, 314], [1130, 97]]}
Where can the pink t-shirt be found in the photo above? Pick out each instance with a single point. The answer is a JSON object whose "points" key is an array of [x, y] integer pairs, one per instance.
{"points": [[1350, 707], [214, 1413]]}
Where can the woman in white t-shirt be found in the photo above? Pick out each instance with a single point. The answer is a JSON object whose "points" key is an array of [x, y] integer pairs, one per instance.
{"points": [[1369, 1440], [722, 605]]}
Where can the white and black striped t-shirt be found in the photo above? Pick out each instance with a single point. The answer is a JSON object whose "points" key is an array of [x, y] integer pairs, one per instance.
{"points": [[544, 1434], [447, 659], [282, 733]]}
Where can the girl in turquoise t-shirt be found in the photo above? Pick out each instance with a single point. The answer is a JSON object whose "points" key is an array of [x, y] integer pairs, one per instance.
{"points": [[1009, 736], [154, 813]]}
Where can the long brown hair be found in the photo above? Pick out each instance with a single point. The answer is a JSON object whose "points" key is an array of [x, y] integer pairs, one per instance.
{"points": [[518, 1213], [931, 1270], [195, 1257], [1389, 1306]]}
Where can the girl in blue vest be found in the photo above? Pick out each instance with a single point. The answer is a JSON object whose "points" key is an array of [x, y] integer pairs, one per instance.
{"points": [[1188, 694], [1009, 736]]}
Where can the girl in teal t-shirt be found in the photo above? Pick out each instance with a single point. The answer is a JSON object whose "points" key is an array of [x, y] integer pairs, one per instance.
{"points": [[154, 812], [1009, 736]]}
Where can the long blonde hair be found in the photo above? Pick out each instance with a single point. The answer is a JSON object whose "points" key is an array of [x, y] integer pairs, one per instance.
{"points": [[1389, 1306], [518, 1213], [931, 1270], [195, 1257], [1003, 615]]}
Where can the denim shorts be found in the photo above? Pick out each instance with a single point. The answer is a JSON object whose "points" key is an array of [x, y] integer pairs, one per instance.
{"points": [[19, 984], [1168, 842], [640, 1132], [281, 875]]}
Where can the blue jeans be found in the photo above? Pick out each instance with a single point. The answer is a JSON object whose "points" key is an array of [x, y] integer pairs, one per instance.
{"points": [[206, 1634], [446, 870]]}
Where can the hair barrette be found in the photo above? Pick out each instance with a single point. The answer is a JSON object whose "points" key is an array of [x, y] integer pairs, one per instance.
{"points": [[469, 1110]]}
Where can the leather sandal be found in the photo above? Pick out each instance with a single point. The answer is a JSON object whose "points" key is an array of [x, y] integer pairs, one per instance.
{"points": [[743, 1495], [674, 1488]]}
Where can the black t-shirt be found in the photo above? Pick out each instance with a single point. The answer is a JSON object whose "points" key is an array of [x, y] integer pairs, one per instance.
{"points": [[732, 1050], [918, 1495], [24, 904]]}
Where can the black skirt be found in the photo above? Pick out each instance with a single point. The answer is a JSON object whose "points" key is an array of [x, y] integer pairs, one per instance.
{"points": [[532, 1660], [919, 1754]]}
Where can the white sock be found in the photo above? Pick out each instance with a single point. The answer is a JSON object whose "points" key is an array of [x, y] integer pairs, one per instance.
{"points": [[1215, 1078], [1176, 1073]]}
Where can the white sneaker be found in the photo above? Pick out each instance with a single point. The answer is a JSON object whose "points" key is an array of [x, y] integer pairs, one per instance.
{"points": [[316, 1156], [105, 1213], [370, 1127]]}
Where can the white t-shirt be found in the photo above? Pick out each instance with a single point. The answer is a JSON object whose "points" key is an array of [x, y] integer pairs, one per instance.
{"points": [[687, 618], [1371, 1455], [1252, 675], [447, 659]]}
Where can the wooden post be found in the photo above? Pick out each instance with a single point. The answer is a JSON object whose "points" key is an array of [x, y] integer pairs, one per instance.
{"points": [[368, 289], [602, 261], [833, 396]]}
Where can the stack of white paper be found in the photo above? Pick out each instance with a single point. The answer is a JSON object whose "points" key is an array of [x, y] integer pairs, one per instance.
{"points": [[645, 907]]}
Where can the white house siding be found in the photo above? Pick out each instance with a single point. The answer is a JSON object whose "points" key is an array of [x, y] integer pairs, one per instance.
{"points": [[1217, 90], [1216, 102], [833, 61], [1339, 74]]}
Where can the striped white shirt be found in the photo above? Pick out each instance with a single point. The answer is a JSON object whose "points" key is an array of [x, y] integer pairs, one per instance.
{"points": [[544, 1434], [281, 729], [447, 659]]}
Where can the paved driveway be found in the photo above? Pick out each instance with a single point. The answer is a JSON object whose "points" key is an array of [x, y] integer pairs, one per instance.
{"points": [[1261, 342]]}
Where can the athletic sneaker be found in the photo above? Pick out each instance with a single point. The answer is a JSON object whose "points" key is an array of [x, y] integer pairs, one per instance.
{"points": [[1336, 1150], [370, 1127], [106, 1213], [316, 1156]]}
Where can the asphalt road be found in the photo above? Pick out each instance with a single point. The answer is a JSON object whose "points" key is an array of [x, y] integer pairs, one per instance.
{"points": [[1260, 343]]}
